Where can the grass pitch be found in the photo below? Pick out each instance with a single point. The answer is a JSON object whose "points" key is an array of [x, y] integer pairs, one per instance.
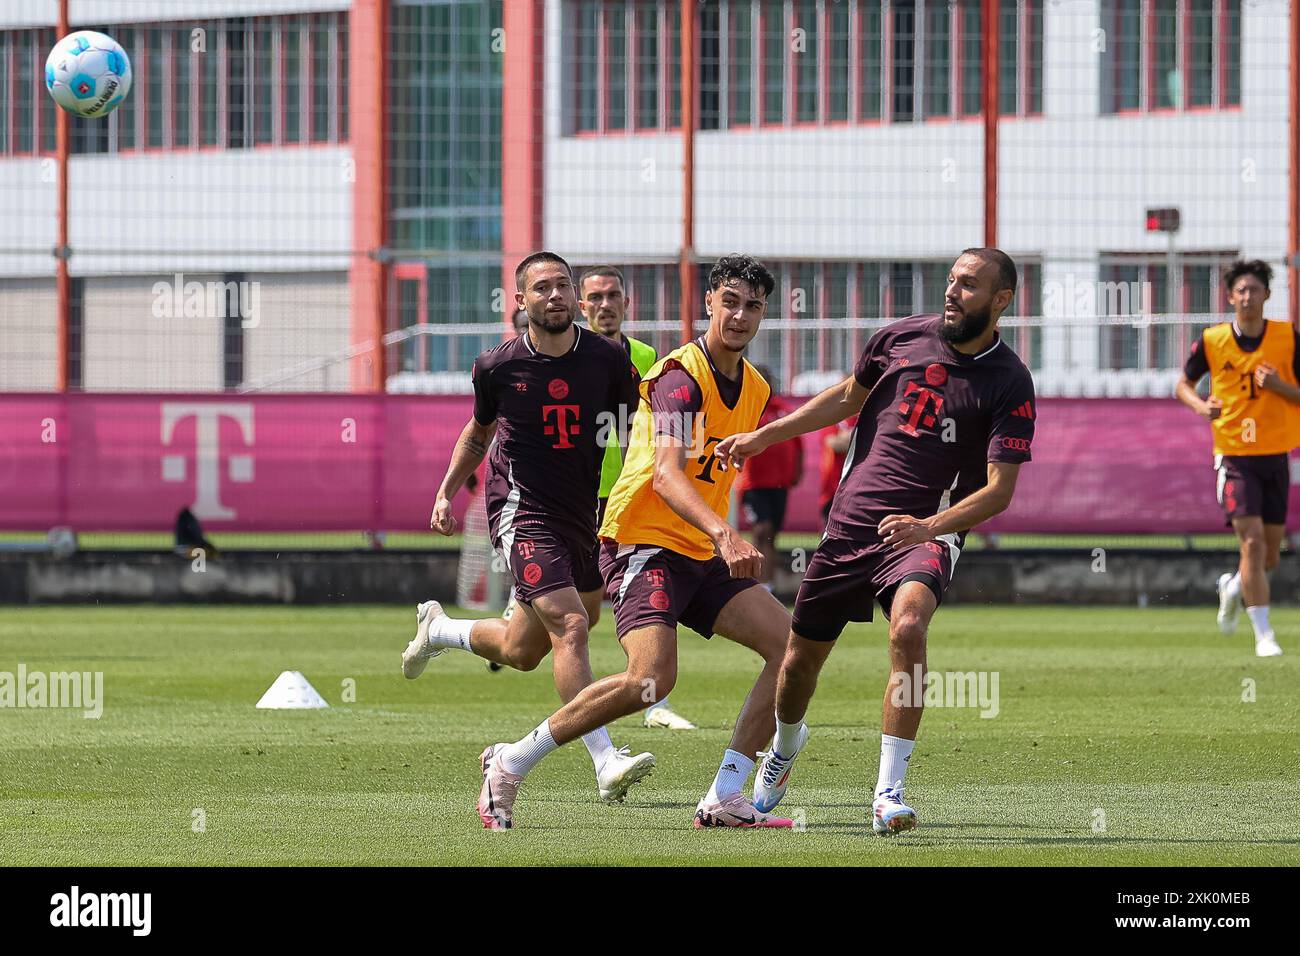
{"points": [[1122, 738]]}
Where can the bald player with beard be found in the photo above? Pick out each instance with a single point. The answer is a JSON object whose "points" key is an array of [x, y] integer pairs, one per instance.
{"points": [[947, 419]]}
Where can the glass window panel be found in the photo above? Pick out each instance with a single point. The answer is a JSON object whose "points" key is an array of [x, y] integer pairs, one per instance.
{"points": [[1034, 10], [616, 65], [264, 82], [1200, 52], [938, 59], [837, 36], [774, 48], [972, 64], [647, 66], [183, 65], [1165, 83], [321, 56], [210, 61], [24, 93], [343, 74], [740, 77], [674, 59], [586, 75], [1124, 49], [870, 42], [1008, 56], [291, 38], [805, 61], [710, 42], [1232, 53], [157, 84], [5, 92], [904, 64], [236, 36]]}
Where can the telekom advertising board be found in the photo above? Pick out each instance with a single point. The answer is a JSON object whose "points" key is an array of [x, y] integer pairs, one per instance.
{"points": [[372, 462]]}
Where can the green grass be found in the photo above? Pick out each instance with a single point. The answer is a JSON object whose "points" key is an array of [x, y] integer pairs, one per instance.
{"points": [[1135, 713]]}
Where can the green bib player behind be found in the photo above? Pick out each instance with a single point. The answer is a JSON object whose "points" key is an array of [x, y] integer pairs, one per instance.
{"points": [[602, 296]]}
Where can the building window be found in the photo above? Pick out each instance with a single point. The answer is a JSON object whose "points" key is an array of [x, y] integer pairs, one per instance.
{"points": [[1171, 55], [1139, 284], [796, 62], [230, 84]]}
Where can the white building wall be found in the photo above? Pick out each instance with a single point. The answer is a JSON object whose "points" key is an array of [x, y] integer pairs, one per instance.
{"points": [[1073, 183], [301, 319], [28, 324]]}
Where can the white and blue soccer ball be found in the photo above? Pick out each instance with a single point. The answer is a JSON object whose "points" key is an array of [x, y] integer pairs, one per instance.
{"points": [[88, 74]]}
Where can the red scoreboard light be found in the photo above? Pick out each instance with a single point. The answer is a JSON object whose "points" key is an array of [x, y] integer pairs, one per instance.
{"points": [[1163, 220]]}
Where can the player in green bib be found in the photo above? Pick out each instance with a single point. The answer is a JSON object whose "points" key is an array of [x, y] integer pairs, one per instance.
{"points": [[603, 298]]}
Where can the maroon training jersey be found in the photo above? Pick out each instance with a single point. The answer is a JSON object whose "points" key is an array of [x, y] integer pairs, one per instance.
{"points": [[544, 468], [934, 420]]}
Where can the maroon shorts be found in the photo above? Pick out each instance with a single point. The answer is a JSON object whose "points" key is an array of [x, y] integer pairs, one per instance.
{"points": [[1253, 486], [648, 584], [541, 561], [845, 577]]}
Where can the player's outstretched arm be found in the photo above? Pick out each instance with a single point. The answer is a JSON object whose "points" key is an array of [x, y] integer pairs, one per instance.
{"points": [[993, 499], [833, 405], [1208, 409], [468, 454], [674, 487]]}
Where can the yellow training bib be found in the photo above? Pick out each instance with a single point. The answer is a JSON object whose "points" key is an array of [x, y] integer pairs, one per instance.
{"points": [[1253, 421], [636, 514]]}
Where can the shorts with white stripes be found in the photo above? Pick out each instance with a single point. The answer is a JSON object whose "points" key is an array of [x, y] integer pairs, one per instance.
{"points": [[648, 585], [846, 578]]}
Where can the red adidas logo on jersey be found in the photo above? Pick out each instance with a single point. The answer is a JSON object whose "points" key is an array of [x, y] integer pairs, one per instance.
{"points": [[1025, 411], [681, 393]]}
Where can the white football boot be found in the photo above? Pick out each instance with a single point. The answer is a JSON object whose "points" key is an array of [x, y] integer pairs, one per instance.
{"points": [[661, 715], [774, 774], [1267, 646], [419, 652], [619, 771], [889, 815], [1229, 605]]}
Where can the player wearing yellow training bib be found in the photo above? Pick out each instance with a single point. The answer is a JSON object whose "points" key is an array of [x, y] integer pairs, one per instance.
{"points": [[1254, 409], [668, 555], [603, 297]]}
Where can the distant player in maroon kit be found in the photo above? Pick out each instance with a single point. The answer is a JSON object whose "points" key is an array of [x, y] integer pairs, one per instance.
{"points": [[551, 397], [948, 419]]}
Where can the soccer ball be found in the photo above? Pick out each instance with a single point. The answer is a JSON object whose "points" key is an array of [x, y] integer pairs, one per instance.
{"points": [[88, 74]]}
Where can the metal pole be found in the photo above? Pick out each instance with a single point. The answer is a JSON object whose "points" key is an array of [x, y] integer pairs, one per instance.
{"points": [[685, 266], [62, 280], [989, 100]]}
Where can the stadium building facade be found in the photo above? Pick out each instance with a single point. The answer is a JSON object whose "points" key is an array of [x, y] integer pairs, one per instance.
{"points": [[291, 179]]}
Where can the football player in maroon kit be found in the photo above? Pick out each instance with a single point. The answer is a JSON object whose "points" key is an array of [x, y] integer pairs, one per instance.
{"points": [[548, 396], [947, 418]]}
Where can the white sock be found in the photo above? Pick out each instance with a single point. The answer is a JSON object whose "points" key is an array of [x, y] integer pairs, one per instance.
{"points": [[1259, 620], [599, 746], [658, 703], [787, 737], [732, 774], [521, 756], [895, 752], [452, 632]]}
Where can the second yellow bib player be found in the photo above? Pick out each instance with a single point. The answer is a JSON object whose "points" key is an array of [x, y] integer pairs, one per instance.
{"points": [[1254, 365]]}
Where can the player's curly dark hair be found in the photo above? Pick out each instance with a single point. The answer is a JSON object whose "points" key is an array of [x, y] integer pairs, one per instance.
{"points": [[1258, 268], [742, 267]]}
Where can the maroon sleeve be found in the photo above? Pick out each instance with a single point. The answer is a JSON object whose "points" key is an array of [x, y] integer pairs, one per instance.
{"points": [[675, 400], [1197, 365], [874, 360], [485, 402], [1012, 430]]}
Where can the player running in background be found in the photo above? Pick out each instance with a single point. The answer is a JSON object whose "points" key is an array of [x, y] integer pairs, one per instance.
{"points": [[544, 394], [948, 419], [668, 556], [765, 485], [603, 297], [1253, 366]]}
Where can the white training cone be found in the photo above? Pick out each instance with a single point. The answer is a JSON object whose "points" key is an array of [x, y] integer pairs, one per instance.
{"points": [[291, 691]]}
